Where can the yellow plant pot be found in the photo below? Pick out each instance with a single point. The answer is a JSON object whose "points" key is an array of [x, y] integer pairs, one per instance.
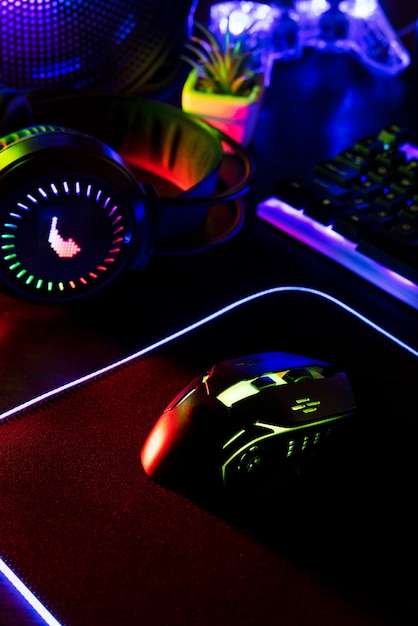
{"points": [[236, 116]]}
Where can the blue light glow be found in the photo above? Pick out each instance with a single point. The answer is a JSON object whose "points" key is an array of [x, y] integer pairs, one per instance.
{"points": [[356, 26], [57, 69], [125, 29], [410, 151], [237, 16], [65, 43], [184, 331], [28, 595], [359, 8]]}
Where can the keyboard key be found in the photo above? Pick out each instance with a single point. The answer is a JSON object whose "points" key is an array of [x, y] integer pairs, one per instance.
{"points": [[410, 212], [383, 217], [352, 225], [404, 185], [368, 146], [410, 169], [357, 204], [329, 188], [389, 199], [295, 192], [391, 157], [393, 251], [392, 134], [367, 187], [337, 172], [324, 210], [381, 173], [406, 229], [353, 159]]}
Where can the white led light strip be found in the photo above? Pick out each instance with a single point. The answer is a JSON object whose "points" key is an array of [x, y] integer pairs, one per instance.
{"points": [[28, 595], [202, 322], [4, 569]]}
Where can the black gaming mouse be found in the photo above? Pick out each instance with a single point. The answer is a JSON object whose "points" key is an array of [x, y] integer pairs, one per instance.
{"points": [[248, 423]]}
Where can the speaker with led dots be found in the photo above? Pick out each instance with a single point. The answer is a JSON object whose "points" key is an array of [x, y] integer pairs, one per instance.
{"points": [[124, 46], [94, 183]]}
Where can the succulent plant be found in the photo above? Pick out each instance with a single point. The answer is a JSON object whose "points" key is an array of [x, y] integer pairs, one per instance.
{"points": [[223, 66]]}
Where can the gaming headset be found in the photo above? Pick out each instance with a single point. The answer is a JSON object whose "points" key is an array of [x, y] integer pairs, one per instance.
{"points": [[93, 183]]}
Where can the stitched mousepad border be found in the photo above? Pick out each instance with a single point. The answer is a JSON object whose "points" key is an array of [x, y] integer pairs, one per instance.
{"points": [[99, 543]]}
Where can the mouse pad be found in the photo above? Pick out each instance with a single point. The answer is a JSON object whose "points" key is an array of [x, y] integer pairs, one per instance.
{"points": [[100, 543]]}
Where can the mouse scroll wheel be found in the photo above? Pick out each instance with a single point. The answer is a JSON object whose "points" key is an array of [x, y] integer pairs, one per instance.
{"points": [[263, 381], [297, 375]]}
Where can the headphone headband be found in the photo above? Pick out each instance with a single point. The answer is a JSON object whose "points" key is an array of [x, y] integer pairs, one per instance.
{"points": [[153, 137]]}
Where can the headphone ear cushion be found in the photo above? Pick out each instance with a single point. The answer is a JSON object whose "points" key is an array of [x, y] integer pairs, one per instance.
{"points": [[14, 136], [15, 111]]}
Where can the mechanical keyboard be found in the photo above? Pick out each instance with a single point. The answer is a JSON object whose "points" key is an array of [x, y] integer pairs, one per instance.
{"points": [[359, 208]]}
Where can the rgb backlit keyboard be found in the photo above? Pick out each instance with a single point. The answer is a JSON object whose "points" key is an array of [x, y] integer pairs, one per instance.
{"points": [[359, 208]]}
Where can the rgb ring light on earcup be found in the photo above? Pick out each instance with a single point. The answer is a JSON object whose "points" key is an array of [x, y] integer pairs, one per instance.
{"points": [[78, 205]]}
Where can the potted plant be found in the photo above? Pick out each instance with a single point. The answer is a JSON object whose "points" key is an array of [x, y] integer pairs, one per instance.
{"points": [[225, 87]]}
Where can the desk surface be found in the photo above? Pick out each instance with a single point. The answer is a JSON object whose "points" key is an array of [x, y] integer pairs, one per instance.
{"points": [[314, 107]]}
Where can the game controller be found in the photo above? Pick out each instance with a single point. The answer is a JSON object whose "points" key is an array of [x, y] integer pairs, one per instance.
{"points": [[249, 424], [359, 27]]}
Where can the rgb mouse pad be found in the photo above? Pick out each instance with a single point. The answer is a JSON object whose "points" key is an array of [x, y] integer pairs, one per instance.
{"points": [[100, 543]]}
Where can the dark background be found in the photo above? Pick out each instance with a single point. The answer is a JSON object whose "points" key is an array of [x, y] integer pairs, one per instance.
{"points": [[314, 107]]}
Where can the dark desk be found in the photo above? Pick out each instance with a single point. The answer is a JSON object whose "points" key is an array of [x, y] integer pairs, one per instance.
{"points": [[314, 107]]}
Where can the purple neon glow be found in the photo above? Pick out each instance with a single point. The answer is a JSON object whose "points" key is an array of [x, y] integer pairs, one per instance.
{"points": [[28, 595], [410, 151], [326, 241], [65, 43]]}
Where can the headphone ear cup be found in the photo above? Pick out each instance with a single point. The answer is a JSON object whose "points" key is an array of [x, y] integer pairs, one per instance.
{"points": [[72, 215], [15, 111], [15, 136]]}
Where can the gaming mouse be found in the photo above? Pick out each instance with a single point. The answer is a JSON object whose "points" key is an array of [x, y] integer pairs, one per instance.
{"points": [[247, 423]]}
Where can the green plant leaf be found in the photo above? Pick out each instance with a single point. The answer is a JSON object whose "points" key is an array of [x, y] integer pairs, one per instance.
{"points": [[223, 66]]}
